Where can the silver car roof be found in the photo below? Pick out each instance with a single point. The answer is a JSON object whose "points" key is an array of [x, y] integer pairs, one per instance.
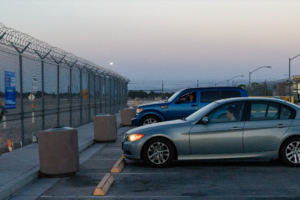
{"points": [[275, 100]]}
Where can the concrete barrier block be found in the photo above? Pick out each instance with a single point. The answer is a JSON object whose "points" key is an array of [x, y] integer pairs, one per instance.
{"points": [[58, 151], [118, 166], [105, 128], [126, 115], [104, 185]]}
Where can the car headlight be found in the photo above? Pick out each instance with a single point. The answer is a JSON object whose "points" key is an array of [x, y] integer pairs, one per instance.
{"points": [[135, 137], [139, 110]]}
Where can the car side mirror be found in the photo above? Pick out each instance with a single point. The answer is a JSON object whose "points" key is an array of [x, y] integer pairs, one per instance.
{"points": [[205, 120]]}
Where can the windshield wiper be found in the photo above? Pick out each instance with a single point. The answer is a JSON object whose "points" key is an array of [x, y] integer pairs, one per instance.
{"points": [[184, 119]]}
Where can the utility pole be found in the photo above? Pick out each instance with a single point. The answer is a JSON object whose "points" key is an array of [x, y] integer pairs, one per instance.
{"points": [[162, 89]]}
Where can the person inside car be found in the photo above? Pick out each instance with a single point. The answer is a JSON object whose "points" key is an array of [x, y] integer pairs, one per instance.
{"points": [[192, 100], [231, 113]]}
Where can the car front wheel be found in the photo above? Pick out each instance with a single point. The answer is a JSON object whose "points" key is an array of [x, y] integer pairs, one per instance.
{"points": [[151, 119], [290, 152], [158, 152]]}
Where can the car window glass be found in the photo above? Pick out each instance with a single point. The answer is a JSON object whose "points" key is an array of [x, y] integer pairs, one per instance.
{"points": [[264, 111], [285, 113], [230, 94], [173, 96], [188, 97], [210, 96], [227, 113]]}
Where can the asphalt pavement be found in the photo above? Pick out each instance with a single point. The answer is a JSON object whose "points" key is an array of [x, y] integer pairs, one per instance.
{"points": [[228, 179]]}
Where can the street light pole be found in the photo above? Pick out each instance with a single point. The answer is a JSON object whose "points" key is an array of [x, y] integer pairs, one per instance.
{"points": [[256, 70], [229, 80], [290, 74], [249, 78], [233, 78]]}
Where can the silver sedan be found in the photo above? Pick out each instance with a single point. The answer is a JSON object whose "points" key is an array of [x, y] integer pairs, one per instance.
{"points": [[264, 128]]}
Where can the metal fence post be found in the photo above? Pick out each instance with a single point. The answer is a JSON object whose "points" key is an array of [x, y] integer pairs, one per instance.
{"points": [[118, 95], [43, 99], [162, 90], [89, 88], [70, 110], [80, 96], [105, 93], [21, 99], [95, 96], [126, 90], [114, 96], [110, 103], [57, 97], [100, 106]]}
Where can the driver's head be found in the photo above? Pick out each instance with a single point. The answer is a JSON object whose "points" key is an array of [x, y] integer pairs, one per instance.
{"points": [[191, 96], [230, 112]]}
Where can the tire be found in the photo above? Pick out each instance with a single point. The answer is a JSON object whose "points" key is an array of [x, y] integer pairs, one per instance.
{"points": [[161, 158], [290, 152], [149, 119]]}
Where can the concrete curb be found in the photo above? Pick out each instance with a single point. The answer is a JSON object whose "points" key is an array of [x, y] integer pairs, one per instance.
{"points": [[85, 145], [23, 180], [104, 185], [19, 183]]}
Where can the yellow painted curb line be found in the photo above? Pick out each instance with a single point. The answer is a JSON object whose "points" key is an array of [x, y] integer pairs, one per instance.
{"points": [[118, 166], [104, 185]]}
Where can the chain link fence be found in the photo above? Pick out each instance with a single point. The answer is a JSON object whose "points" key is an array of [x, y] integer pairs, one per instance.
{"points": [[165, 88], [67, 90], [269, 88]]}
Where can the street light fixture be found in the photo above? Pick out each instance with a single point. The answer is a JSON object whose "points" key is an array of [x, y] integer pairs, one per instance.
{"points": [[233, 78], [229, 80], [290, 74], [256, 70], [219, 82]]}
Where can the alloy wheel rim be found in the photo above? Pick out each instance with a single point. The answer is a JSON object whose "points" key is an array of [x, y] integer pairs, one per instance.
{"points": [[149, 121], [158, 153], [292, 152]]}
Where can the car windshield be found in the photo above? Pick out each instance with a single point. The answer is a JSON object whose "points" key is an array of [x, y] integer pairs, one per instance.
{"points": [[201, 112], [173, 96]]}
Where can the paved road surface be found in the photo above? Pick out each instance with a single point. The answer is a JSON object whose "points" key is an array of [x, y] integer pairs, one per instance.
{"points": [[183, 180]]}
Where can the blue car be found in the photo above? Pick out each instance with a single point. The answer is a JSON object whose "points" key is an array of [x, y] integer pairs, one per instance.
{"points": [[182, 104]]}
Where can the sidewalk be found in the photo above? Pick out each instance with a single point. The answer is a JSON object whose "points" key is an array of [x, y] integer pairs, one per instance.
{"points": [[20, 167]]}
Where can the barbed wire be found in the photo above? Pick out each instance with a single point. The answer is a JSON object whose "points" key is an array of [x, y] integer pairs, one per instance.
{"points": [[25, 43]]}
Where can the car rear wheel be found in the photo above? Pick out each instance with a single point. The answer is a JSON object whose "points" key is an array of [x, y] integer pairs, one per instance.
{"points": [[151, 119], [290, 152], [158, 152]]}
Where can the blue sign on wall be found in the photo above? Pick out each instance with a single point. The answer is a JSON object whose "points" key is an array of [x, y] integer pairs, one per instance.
{"points": [[10, 90]]}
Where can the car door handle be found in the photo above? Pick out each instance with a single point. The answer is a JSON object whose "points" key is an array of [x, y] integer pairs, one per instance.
{"points": [[194, 105], [280, 126], [235, 128]]}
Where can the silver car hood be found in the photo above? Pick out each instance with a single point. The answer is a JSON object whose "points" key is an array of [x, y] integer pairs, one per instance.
{"points": [[159, 125], [153, 103]]}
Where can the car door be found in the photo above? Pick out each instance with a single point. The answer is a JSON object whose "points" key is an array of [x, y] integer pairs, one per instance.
{"points": [[266, 124], [221, 134], [183, 106]]}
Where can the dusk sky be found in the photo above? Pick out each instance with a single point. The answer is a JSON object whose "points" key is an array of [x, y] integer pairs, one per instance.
{"points": [[168, 39]]}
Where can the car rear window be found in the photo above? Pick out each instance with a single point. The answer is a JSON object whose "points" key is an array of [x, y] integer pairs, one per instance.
{"points": [[210, 96], [230, 94]]}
